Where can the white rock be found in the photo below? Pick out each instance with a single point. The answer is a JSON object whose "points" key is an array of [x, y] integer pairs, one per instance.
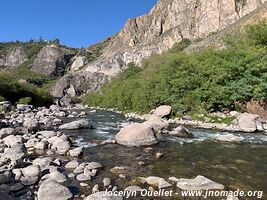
{"points": [[198, 183], [51, 190]]}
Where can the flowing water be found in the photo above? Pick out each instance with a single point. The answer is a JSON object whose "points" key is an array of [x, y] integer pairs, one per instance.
{"points": [[237, 166]]}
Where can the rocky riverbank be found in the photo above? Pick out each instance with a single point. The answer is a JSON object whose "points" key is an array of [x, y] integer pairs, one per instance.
{"points": [[39, 160], [240, 122]]}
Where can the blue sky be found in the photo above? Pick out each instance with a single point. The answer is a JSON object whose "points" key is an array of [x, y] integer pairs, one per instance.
{"points": [[77, 23]]}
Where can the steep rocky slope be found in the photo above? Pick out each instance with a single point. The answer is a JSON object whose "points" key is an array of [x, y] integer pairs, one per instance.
{"points": [[167, 23]]}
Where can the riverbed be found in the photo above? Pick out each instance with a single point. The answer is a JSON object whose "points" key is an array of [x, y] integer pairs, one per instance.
{"points": [[240, 166]]}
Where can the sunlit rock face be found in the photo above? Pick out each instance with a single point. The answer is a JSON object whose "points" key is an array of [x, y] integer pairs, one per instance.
{"points": [[168, 22]]}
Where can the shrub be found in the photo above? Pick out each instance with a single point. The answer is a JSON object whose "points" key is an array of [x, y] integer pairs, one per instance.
{"points": [[2, 98], [25, 100], [209, 80]]}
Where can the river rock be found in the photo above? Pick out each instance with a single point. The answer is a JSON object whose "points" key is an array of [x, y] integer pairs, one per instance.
{"points": [[76, 152], [16, 187], [247, 122], [228, 138], [94, 165], [6, 196], [182, 132], [102, 196], [44, 163], [15, 153], [32, 170], [156, 181], [29, 180], [51, 190], [133, 188], [157, 123], [5, 106], [83, 177], [12, 140], [106, 182], [55, 175], [63, 147], [72, 164], [31, 124], [41, 145], [95, 189], [4, 132], [163, 111], [80, 124], [47, 134], [137, 134], [24, 107], [17, 173], [198, 183], [5, 177]]}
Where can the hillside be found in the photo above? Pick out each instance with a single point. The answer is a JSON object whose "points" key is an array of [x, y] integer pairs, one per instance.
{"points": [[204, 81], [167, 23]]}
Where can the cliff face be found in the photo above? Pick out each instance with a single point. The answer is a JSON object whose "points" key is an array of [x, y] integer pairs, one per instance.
{"points": [[168, 22]]}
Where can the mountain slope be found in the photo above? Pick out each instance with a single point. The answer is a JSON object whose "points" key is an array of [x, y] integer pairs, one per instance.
{"points": [[168, 22]]}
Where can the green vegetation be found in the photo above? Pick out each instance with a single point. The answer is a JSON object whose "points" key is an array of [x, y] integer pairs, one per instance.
{"points": [[209, 80], [25, 100], [22, 92], [22, 85]]}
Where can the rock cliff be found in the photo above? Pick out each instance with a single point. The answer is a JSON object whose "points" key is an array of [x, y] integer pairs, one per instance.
{"points": [[168, 22]]}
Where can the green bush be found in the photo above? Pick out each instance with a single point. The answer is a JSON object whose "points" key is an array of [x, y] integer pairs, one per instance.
{"points": [[208, 80], [2, 98], [13, 91], [25, 100]]}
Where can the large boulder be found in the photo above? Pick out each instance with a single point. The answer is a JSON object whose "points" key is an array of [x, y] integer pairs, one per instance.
{"points": [[80, 124], [52, 60], [137, 134], [247, 122], [163, 111], [182, 132], [51, 190], [157, 123]]}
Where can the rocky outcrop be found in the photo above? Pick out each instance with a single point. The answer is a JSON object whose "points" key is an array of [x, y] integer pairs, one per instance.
{"points": [[79, 83], [52, 60], [166, 24], [14, 58]]}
